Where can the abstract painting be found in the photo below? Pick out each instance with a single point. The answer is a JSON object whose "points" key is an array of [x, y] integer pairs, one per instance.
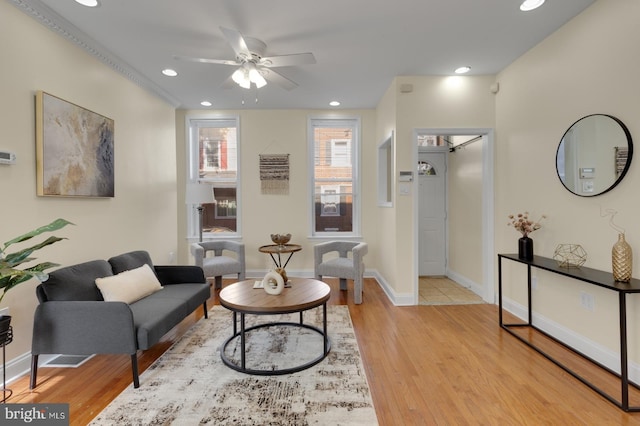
{"points": [[74, 150]]}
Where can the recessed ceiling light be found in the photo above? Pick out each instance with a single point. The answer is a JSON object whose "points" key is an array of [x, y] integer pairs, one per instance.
{"points": [[206, 103], [334, 103], [462, 70], [528, 5], [169, 72], [89, 3]]}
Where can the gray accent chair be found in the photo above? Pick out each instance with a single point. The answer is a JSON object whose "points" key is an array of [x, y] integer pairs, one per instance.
{"points": [[73, 318], [347, 264], [218, 258]]}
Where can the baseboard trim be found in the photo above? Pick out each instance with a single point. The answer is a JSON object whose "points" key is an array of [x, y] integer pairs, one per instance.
{"points": [[594, 350], [466, 283]]}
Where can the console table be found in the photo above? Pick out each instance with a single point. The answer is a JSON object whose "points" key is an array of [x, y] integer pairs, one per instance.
{"points": [[588, 275]]}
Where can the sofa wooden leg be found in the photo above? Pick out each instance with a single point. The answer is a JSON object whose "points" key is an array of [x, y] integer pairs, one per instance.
{"points": [[218, 282], [34, 371], [204, 306], [134, 369]]}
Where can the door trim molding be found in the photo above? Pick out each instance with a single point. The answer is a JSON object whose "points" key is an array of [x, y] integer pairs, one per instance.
{"points": [[488, 270]]}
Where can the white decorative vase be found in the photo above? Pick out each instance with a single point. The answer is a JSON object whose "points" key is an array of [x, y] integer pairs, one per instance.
{"points": [[273, 283]]}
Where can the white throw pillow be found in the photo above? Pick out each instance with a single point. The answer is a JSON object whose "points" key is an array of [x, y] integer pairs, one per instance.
{"points": [[129, 286]]}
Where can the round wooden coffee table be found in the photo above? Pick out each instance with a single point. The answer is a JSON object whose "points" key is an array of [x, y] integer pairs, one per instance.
{"points": [[303, 294]]}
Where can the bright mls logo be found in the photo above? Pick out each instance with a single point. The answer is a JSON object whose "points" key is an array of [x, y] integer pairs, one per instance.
{"points": [[35, 414]]}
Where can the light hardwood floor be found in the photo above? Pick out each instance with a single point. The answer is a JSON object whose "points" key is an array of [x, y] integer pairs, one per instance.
{"points": [[426, 365]]}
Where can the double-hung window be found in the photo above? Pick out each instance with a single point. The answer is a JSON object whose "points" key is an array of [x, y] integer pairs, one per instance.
{"points": [[213, 160], [334, 146]]}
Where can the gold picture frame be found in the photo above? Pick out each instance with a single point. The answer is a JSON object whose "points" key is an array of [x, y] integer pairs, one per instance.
{"points": [[74, 150]]}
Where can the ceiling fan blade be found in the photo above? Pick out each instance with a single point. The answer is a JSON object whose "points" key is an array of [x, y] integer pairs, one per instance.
{"points": [[207, 61], [288, 60], [278, 79], [235, 39]]}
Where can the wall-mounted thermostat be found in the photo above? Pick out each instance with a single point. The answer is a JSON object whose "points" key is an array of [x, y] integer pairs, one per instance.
{"points": [[406, 177], [7, 157], [587, 172]]}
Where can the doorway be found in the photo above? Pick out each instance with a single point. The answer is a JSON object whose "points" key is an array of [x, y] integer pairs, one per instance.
{"points": [[434, 247], [432, 223]]}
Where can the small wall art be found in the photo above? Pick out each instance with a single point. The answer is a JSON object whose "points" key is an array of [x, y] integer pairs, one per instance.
{"points": [[74, 150], [274, 173]]}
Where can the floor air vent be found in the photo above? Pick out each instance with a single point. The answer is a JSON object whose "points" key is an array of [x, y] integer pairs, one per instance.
{"points": [[68, 361]]}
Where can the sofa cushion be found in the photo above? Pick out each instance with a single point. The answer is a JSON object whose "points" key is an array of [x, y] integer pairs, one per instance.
{"points": [[154, 316], [129, 286], [191, 294], [76, 282], [131, 260]]}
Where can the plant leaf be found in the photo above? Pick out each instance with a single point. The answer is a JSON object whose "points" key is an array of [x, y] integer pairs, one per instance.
{"points": [[14, 259], [53, 226]]}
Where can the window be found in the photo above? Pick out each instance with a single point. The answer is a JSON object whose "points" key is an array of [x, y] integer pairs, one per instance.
{"points": [[213, 159], [334, 147]]}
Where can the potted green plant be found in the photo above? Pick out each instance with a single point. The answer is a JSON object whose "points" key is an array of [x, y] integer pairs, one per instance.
{"points": [[11, 276]]}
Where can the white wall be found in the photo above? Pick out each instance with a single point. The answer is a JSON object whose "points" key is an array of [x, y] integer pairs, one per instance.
{"points": [[143, 213], [588, 66]]}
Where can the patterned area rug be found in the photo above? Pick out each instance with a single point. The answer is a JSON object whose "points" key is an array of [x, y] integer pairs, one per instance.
{"points": [[189, 384]]}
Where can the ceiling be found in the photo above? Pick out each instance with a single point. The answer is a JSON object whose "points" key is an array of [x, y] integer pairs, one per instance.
{"points": [[359, 45]]}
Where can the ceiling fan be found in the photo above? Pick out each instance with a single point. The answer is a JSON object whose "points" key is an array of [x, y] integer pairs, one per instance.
{"points": [[253, 67]]}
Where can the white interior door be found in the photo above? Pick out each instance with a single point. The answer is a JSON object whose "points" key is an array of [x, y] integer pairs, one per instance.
{"points": [[432, 213]]}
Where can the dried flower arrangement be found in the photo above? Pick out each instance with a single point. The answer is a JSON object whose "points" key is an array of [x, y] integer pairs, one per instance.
{"points": [[523, 224]]}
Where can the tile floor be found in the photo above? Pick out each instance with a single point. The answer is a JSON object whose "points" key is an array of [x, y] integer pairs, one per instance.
{"points": [[443, 291]]}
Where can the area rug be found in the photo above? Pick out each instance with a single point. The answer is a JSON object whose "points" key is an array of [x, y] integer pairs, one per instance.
{"points": [[189, 384]]}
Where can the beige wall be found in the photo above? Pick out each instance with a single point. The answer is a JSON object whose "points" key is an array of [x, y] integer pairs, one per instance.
{"points": [[143, 213], [282, 132], [464, 175], [588, 66], [386, 234], [435, 103]]}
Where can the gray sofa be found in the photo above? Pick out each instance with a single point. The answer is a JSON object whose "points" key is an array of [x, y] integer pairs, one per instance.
{"points": [[73, 318]]}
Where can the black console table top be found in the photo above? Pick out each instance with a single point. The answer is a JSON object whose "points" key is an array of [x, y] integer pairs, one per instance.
{"points": [[590, 275]]}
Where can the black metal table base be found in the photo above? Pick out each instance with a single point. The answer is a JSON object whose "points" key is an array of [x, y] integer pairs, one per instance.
{"points": [[6, 337], [241, 334], [591, 276]]}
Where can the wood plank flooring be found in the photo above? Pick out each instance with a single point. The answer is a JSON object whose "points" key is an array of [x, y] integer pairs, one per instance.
{"points": [[426, 365]]}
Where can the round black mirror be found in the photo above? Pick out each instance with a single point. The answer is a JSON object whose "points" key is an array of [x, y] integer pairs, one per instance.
{"points": [[594, 155]]}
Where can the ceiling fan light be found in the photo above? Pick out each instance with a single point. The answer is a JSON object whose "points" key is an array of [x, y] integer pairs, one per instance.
{"points": [[256, 78], [238, 76], [241, 78]]}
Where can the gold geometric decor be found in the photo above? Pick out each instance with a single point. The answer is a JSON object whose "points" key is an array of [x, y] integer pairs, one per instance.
{"points": [[570, 255]]}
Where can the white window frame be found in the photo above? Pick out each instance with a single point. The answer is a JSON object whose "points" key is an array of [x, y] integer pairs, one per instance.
{"points": [[192, 147], [356, 146]]}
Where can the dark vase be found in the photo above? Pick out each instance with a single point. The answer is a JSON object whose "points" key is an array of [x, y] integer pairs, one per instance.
{"points": [[525, 248]]}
